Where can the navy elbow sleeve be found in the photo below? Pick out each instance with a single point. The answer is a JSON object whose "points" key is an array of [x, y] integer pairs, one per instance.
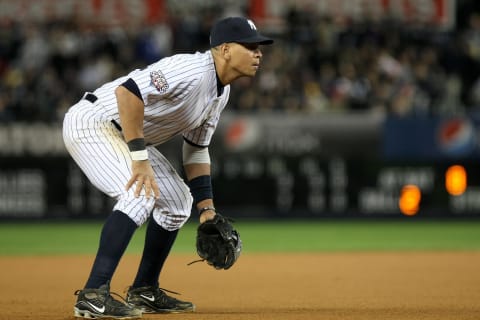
{"points": [[131, 86]]}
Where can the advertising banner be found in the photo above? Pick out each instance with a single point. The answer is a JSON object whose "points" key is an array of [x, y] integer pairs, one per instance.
{"points": [[268, 167], [434, 139]]}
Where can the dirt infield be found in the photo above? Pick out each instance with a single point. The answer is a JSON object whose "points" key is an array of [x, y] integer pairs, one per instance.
{"points": [[297, 286]]}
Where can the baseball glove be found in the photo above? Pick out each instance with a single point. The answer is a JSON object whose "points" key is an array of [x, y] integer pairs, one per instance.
{"points": [[218, 242]]}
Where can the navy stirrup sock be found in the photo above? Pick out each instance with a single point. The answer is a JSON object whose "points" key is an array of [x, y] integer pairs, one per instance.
{"points": [[158, 243], [116, 234]]}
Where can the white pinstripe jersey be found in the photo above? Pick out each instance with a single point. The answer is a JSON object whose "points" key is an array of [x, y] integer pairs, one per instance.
{"points": [[180, 97]]}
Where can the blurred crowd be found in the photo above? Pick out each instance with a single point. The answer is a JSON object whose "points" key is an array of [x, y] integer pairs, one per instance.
{"points": [[317, 65]]}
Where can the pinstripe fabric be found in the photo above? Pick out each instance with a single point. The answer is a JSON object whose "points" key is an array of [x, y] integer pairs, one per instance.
{"points": [[189, 106], [186, 104]]}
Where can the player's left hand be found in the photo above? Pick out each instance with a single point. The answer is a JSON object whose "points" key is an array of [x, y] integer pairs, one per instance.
{"points": [[143, 175], [207, 215]]}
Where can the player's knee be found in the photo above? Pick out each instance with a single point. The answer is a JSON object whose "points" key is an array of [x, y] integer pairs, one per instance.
{"points": [[173, 218], [138, 209]]}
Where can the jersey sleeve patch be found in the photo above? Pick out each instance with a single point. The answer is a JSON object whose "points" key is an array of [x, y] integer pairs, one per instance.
{"points": [[159, 81]]}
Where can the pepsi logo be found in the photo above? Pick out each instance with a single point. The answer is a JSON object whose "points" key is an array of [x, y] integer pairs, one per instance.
{"points": [[456, 137]]}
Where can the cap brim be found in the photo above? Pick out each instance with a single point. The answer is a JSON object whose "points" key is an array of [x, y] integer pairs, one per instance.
{"points": [[257, 39]]}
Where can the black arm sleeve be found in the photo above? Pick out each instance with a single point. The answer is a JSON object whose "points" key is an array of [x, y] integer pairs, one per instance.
{"points": [[131, 86]]}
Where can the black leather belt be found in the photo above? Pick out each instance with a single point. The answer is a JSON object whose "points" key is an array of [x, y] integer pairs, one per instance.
{"points": [[115, 123], [90, 97]]}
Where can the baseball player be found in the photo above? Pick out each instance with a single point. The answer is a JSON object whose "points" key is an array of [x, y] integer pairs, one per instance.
{"points": [[112, 133]]}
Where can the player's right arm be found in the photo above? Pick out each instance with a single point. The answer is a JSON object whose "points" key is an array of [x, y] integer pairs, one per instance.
{"points": [[131, 111]]}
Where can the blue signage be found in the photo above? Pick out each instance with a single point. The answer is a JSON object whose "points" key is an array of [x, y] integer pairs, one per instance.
{"points": [[438, 138]]}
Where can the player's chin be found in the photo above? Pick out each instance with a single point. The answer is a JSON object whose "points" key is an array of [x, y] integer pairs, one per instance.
{"points": [[252, 71]]}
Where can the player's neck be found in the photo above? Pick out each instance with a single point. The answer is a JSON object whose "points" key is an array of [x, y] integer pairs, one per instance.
{"points": [[220, 86], [225, 74]]}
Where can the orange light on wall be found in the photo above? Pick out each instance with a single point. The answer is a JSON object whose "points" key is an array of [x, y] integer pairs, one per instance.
{"points": [[409, 201], [456, 180]]}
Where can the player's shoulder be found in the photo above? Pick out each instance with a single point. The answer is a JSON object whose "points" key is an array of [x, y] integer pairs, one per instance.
{"points": [[186, 72], [200, 59], [189, 67]]}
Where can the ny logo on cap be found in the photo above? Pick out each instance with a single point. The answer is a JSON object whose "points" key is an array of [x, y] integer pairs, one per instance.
{"points": [[252, 25]]}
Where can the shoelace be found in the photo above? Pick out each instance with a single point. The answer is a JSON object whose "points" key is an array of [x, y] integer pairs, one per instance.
{"points": [[195, 261], [123, 301], [169, 291], [162, 289]]}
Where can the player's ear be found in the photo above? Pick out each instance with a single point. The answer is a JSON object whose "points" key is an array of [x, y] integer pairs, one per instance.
{"points": [[226, 51]]}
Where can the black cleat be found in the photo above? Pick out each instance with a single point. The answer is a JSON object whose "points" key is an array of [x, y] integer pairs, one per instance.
{"points": [[98, 303], [154, 300]]}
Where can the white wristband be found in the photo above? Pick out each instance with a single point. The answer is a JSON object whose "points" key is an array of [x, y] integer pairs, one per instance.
{"points": [[139, 155]]}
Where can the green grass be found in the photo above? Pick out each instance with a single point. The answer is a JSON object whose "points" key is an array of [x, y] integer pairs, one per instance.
{"points": [[55, 238]]}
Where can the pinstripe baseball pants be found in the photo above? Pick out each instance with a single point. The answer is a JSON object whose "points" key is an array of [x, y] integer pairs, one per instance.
{"points": [[99, 149]]}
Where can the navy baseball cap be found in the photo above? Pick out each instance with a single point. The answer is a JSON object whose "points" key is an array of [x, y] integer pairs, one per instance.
{"points": [[236, 29]]}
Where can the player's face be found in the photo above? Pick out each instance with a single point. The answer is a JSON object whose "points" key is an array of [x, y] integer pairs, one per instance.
{"points": [[246, 58]]}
